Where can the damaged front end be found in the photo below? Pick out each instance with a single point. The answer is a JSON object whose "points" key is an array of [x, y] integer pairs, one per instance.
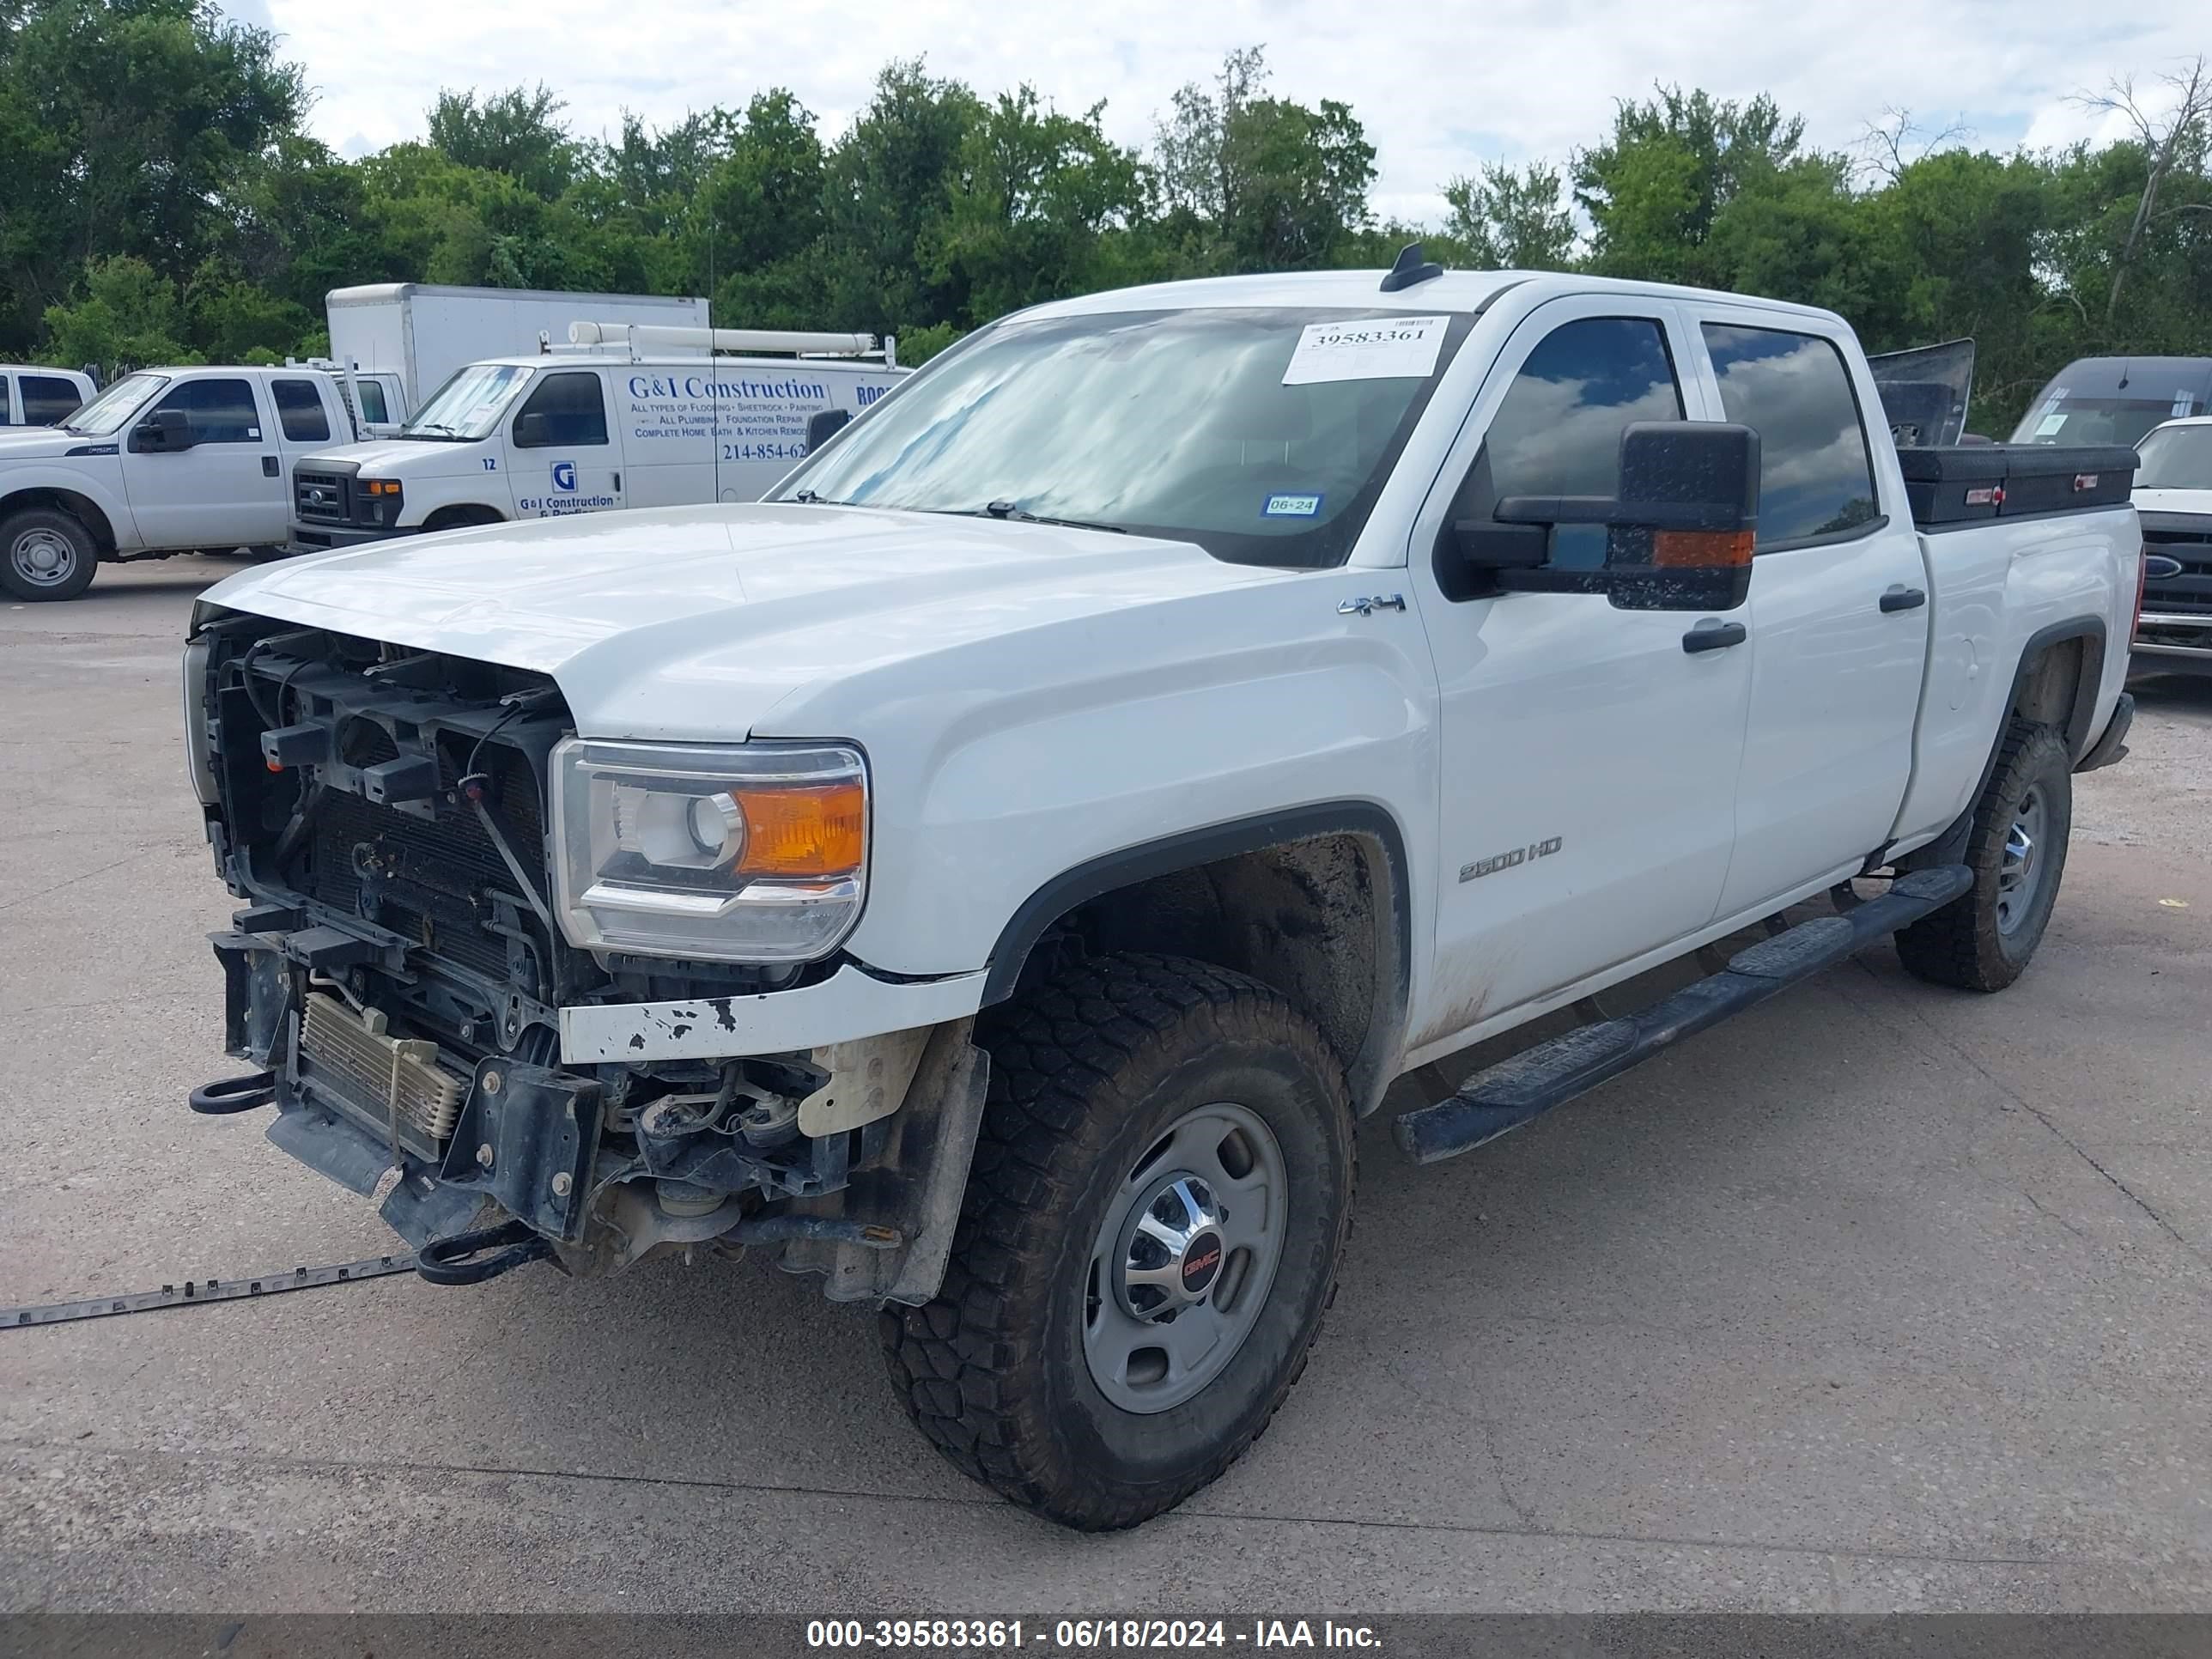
{"points": [[401, 973]]}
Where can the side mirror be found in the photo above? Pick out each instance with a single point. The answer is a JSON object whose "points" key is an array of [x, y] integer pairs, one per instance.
{"points": [[533, 430], [823, 425], [164, 430], [1680, 534]]}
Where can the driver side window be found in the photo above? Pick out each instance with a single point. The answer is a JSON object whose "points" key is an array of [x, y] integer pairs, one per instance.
{"points": [[216, 411], [1557, 433]]}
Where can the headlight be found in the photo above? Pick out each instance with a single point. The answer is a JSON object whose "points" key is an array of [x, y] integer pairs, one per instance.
{"points": [[198, 757], [751, 855]]}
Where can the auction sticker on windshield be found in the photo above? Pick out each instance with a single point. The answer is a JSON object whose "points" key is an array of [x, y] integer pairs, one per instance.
{"points": [[1367, 348]]}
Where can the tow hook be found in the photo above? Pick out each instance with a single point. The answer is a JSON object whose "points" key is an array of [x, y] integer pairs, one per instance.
{"points": [[233, 1094], [511, 1244]]}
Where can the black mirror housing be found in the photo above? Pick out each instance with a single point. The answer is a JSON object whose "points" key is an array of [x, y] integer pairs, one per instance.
{"points": [[533, 430], [1680, 534], [824, 424], [164, 431]]}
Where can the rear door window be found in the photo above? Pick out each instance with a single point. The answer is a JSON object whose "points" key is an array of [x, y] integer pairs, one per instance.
{"points": [[1815, 471], [48, 400], [7, 403], [299, 408]]}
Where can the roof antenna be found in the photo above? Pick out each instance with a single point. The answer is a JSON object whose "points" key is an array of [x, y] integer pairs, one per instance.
{"points": [[1413, 266], [2125, 364]]}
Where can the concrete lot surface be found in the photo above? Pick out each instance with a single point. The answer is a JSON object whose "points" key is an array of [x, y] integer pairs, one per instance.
{"points": [[1879, 1298]]}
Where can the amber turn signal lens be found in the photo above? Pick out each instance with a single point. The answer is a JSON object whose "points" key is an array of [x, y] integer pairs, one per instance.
{"points": [[820, 831], [1700, 549]]}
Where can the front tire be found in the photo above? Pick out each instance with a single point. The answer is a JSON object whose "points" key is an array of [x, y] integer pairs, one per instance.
{"points": [[45, 554], [1166, 1144], [1984, 941]]}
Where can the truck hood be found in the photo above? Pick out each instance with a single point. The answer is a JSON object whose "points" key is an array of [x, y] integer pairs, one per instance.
{"points": [[416, 457], [694, 623], [41, 443], [2199, 501]]}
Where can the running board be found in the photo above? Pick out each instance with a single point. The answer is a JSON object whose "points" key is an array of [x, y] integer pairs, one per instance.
{"points": [[1501, 1097]]}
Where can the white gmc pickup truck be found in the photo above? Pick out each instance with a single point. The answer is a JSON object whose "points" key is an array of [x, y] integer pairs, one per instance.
{"points": [[998, 871]]}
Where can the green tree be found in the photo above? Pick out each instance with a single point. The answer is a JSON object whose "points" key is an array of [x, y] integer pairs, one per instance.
{"points": [[1254, 183], [1041, 205], [1654, 186], [130, 315], [758, 219], [1512, 219], [886, 193], [517, 132], [125, 124]]}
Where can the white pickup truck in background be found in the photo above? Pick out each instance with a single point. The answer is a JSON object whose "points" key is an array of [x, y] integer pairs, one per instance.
{"points": [[165, 461], [33, 396], [998, 871]]}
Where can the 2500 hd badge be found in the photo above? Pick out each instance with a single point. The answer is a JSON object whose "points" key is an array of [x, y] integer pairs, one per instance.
{"points": [[1496, 862]]}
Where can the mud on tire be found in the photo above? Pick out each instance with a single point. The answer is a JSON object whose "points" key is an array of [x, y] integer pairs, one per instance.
{"points": [[1984, 941], [1088, 1073]]}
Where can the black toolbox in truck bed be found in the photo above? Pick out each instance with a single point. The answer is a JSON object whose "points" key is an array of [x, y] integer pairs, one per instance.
{"points": [[1972, 483]]}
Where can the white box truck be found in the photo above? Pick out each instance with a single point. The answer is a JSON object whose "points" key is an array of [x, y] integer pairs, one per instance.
{"points": [[624, 416], [423, 331]]}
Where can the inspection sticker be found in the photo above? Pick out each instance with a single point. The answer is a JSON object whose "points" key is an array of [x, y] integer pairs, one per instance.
{"points": [[1366, 348], [1290, 507]]}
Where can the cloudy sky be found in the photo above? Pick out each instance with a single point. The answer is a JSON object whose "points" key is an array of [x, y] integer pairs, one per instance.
{"points": [[1440, 88]]}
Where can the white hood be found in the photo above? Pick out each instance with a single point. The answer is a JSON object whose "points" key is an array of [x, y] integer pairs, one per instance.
{"points": [[2173, 500], [417, 458], [41, 443], [695, 622]]}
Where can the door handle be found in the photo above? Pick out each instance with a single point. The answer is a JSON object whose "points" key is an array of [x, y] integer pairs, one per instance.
{"points": [[1714, 636], [1901, 598], [268, 466]]}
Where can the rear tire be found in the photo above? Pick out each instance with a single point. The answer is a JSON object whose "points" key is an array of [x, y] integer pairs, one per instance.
{"points": [[2017, 851], [45, 554], [1132, 1099]]}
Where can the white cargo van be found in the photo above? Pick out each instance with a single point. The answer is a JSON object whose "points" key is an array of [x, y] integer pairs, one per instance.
{"points": [[423, 331], [624, 417], [31, 395]]}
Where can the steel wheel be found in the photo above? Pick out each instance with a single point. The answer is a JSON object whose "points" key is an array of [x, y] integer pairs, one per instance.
{"points": [[41, 558], [2022, 862], [1184, 1259]]}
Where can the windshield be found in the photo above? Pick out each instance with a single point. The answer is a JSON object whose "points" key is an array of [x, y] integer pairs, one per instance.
{"points": [[1264, 435], [109, 411], [2176, 458], [2103, 420], [468, 406]]}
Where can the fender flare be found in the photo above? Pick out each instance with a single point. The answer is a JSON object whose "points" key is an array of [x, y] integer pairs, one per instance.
{"points": [[2091, 632], [1096, 877], [118, 525], [1949, 846]]}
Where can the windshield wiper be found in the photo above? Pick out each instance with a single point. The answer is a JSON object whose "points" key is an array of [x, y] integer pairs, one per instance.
{"points": [[1014, 511], [424, 428]]}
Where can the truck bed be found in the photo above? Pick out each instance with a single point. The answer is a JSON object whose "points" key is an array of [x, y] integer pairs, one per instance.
{"points": [[2020, 542]]}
